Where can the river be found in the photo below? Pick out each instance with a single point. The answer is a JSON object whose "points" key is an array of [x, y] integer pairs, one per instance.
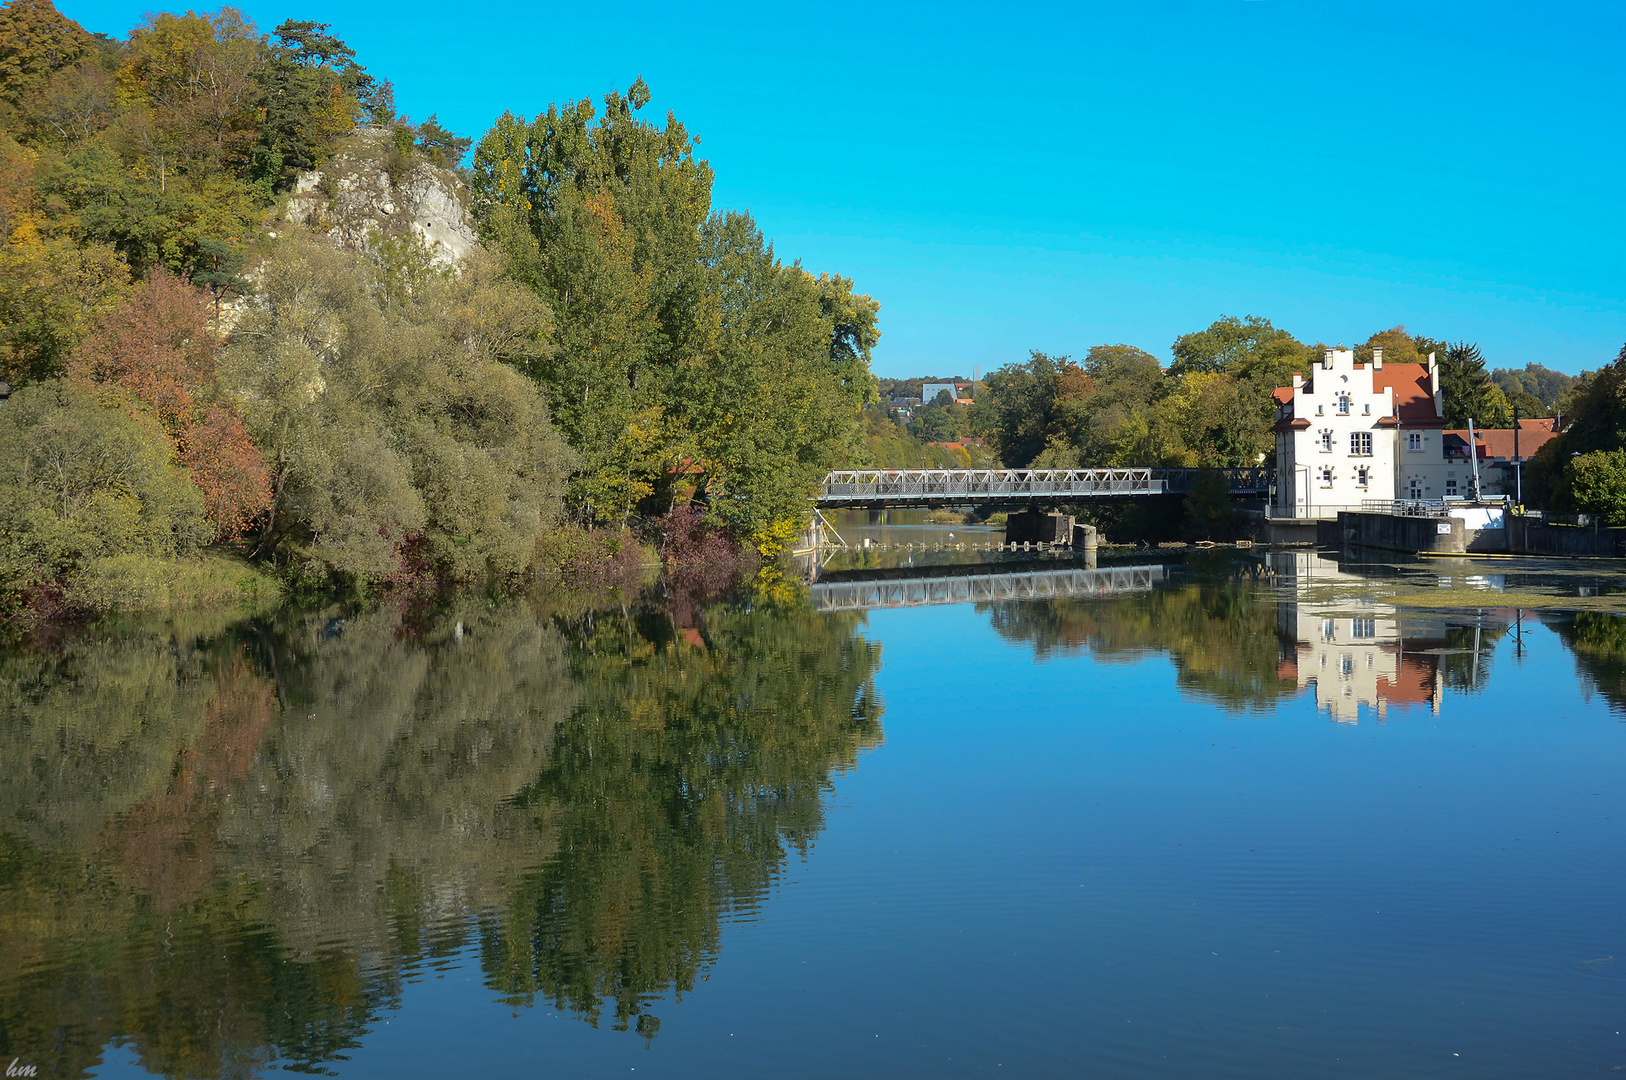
{"points": [[1241, 814]]}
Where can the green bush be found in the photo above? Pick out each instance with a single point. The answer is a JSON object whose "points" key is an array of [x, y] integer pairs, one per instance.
{"points": [[1597, 484], [86, 492]]}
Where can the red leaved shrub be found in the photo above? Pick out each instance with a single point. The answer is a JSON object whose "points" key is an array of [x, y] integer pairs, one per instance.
{"points": [[228, 469], [158, 348]]}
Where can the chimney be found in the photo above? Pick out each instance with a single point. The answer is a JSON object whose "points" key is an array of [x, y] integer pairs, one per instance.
{"points": [[1326, 361], [1377, 358]]}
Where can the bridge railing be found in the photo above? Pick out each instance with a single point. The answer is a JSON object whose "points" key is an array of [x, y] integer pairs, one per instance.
{"points": [[858, 486], [984, 588], [869, 484]]}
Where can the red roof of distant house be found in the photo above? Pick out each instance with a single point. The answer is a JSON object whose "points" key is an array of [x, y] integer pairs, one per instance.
{"points": [[1497, 443], [1414, 398]]}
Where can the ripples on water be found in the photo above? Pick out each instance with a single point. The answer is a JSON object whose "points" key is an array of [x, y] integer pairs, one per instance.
{"points": [[1254, 822]]}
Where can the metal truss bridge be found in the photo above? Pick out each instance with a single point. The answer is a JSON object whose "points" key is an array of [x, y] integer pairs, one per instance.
{"points": [[879, 488], [986, 587]]}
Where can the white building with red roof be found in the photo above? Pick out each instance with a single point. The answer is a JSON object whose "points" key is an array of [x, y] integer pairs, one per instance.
{"points": [[1355, 432]]}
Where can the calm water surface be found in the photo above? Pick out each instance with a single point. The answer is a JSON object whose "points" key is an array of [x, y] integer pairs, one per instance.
{"points": [[1257, 821]]}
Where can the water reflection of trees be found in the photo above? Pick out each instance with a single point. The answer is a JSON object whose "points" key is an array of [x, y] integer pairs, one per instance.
{"points": [[233, 849], [1598, 641], [1223, 640]]}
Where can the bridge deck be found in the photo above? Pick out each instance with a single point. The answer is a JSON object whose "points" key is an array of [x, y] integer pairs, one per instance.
{"points": [[1015, 487], [983, 588]]}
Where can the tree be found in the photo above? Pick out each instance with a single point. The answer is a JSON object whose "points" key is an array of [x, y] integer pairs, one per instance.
{"points": [[158, 347], [1249, 348], [311, 92], [1525, 405], [1468, 392], [1534, 381], [1399, 347], [1024, 404], [1597, 484], [159, 350], [1124, 381], [36, 42], [941, 421], [86, 489], [397, 422], [683, 341]]}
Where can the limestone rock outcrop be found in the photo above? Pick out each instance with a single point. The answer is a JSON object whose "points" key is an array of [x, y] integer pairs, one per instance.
{"points": [[370, 189]]}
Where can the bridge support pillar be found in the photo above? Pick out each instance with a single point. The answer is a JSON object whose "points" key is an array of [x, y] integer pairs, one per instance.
{"points": [[1038, 527]]}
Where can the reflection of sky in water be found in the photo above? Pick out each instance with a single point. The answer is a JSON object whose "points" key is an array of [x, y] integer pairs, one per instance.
{"points": [[1066, 858], [1070, 867]]}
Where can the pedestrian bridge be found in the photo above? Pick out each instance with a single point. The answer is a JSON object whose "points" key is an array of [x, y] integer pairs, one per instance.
{"points": [[880, 488], [988, 586]]}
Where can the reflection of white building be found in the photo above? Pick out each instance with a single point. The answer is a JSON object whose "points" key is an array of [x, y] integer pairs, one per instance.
{"points": [[1354, 654]]}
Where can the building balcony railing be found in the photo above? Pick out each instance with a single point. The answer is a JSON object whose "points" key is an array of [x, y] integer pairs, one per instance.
{"points": [[1310, 513]]}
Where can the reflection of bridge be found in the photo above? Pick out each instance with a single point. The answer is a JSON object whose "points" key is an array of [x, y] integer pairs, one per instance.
{"points": [[987, 586], [1015, 487]]}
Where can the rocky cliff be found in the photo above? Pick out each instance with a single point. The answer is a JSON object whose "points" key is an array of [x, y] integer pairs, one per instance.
{"points": [[370, 187]]}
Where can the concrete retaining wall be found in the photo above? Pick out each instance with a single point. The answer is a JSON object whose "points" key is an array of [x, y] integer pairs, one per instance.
{"points": [[1449, 536], [1443, 536], [1528, 536]]}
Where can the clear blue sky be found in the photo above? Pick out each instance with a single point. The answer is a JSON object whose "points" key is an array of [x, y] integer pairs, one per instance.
{"points": [[1010, 177]]}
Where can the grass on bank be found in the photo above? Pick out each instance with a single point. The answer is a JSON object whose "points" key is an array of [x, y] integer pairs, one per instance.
{"points": [[148, 584]]}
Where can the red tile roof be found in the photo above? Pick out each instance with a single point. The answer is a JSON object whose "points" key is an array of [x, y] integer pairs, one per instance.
{"points": [[1414, 397], [1498, 442], [1282, 395]]}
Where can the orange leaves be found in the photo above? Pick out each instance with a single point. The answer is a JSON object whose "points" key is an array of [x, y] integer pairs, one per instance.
{"points": [[1073, 383], [229, 470], [157, 347]]}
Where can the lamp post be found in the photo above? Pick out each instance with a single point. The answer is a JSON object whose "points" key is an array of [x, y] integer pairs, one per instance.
{"points": [[1518, 463]]}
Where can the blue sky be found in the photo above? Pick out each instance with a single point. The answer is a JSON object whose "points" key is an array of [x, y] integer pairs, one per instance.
{"points": [[1005, 178]]}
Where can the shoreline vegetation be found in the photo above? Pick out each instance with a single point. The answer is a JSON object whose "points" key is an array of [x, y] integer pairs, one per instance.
{"points": [[271, 339]]}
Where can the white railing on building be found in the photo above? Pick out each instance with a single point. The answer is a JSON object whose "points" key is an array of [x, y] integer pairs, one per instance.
{"points": [[1313, 512]]}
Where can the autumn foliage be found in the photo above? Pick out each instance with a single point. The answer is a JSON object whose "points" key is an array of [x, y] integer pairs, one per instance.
{"points": [[157, 347], [228, 469], [158, 351]]}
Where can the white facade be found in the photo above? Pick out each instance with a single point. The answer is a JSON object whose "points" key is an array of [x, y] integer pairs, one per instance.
{"points": [[1357, 432]]}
